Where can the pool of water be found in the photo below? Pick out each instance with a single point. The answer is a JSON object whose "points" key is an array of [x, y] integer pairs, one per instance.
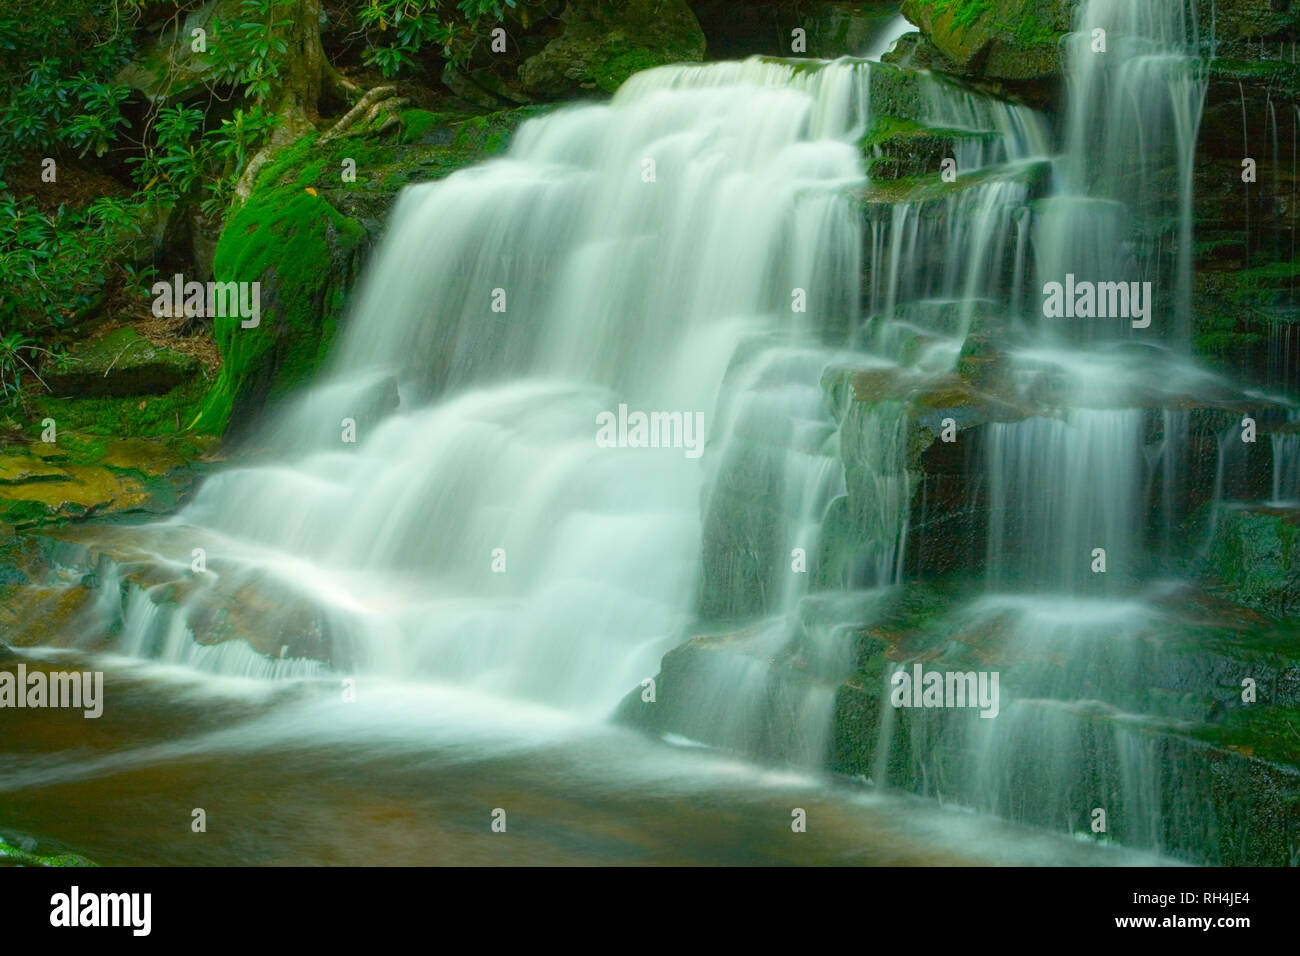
{"points": [[289, 773]]}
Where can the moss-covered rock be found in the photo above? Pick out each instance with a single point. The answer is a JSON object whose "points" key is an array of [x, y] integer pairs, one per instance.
{"points": [[83, 475], [604, 43], [11, 855], [1255, 555], [118, 364], [304, 253], [998, 39], [896, 147]]}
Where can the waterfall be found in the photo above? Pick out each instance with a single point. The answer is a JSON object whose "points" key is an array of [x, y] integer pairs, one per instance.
{"points": [[1286, 464], [605, 404], [1139, 99]]}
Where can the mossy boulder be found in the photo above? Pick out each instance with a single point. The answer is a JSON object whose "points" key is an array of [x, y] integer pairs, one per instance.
{"points": [[119, 364], [83, 475], [896, 147], [305, 253], [603, 43], [997, 39]]}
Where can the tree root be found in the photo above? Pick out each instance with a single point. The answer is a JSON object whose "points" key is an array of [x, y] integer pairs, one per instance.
{"points": [[381, 99]]}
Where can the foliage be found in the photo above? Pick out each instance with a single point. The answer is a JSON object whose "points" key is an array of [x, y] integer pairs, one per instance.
{"points": [[417, 24], [57, 61], [248, 51], [52, 266], [183, 155]]}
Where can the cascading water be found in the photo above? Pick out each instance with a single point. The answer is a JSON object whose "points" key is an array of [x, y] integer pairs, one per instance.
{"points": [[647, 254], [708, 250]]}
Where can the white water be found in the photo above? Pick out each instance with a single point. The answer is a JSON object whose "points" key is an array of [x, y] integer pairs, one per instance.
{"points": [[894, 31], [478, 536], [648, 253], [1129, 108]]}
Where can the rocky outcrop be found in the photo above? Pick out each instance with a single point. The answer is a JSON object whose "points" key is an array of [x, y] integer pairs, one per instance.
{"points": [[1080, 718], [996, 39], [739, 29], [602, 44], [84, 475], [1255, 557], [169, 69], [73, 587]]}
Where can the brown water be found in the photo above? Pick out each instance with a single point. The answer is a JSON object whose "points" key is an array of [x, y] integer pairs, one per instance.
{"points": [[290, 774]]}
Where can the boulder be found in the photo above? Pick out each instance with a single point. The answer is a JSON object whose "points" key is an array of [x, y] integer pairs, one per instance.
{"points": [[997, 39], [119, 364]]}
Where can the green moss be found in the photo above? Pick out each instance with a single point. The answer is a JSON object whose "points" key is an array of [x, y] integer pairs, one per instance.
{"points": [[290, 241], [155, 416], [885, 128], [964, 12], [1271, 733], [1254, 555], [417, 123], [614, 61], [13, 856], [1282, 76]]}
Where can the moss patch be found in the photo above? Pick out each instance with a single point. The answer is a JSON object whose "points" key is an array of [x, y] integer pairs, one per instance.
{"points": [[11, 855], [1256, 730]]}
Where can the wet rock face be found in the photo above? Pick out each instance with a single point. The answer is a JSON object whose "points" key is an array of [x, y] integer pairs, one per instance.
{"points": [[739, 29], [75, 587], [1255, 555]]}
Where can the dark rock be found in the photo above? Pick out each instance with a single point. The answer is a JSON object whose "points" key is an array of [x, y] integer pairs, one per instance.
{"points": [[603, 44]]}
